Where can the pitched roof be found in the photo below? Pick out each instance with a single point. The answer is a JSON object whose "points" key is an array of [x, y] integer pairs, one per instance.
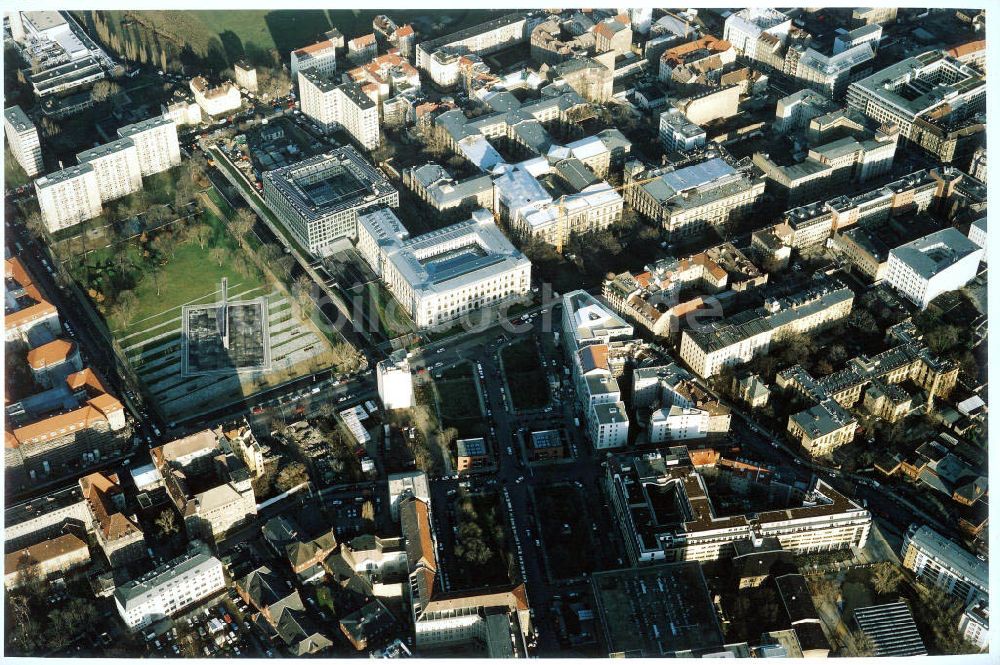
{"points": [[416, 524], [99, 491], [43, 551]]}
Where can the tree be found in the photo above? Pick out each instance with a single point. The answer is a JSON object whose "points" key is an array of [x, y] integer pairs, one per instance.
{"points": [[292, 475], [864, 647], [886, 578], [368, 516], [127, 303], [104, 89], [201, 232], [346, 358], [34, 223], [166, 524], [241, 223], [218, 254]]}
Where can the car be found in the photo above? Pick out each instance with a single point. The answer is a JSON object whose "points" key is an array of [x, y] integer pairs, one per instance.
{"points": [[520, 479], [510, 451], [441, 350], [538, 543]]}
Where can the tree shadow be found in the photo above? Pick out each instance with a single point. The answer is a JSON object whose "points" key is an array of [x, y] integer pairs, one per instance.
{"points": [[293, 29], [232, 45]]}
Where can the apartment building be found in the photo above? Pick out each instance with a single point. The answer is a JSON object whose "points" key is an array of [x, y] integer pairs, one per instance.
{"points": [[320, 58], [118, 535], [156, 143], [940, 262], [744, 28], [116, 165], [334, 106], [245, 75], [390, 73], [823, 427], [681, 410], [664, 510], [216, 100], [68, 197], [943, 564], [740, 338], [22, 139], [482, 39], [687, 200], [170, 588], [447, 273], [677, 133], [47, 559], [795, 111], [318, 199], [362, 49], [974, 624], [686, 62], [29, 319], [33, 521], [207, 482], [389, 35], [919, 93]]}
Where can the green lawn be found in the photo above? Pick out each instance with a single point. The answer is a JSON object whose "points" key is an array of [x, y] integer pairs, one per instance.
{"points": [[528, 383], [482, 534], [393, 320], [14, 175], [458, 401]]}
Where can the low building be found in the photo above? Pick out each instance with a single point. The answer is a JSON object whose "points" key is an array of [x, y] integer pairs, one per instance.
{"points": [[677, 133], [891, 630], [546, 445], [471, 454], [974, 624], [170, 588], [52, 362], [444, 274], [215, 100], [368, 626], [406, 485], [940, 262], [656, 611], [751, 389], [47, 559]]}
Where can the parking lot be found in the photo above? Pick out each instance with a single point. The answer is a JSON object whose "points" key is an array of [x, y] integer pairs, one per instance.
{"points": [[216, 629]]}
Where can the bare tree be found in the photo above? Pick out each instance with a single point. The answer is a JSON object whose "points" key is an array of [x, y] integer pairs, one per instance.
{"points": [[166, 523], [218, 254], [127, 303], [292, 475]]}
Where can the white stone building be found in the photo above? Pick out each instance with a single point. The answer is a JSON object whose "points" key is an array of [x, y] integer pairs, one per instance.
{"points": [[116, 165], [395, 383], [344, 105], [69, 197], [22, 139], [156, 144], [925, 268], [320, 57]]}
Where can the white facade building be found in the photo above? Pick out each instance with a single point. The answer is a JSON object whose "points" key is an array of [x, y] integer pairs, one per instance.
{"points": [[677, 423], [744, 27], [677, 133], [974, 624], [245, 75], [924, 269], [116, 165], [22, 139], [344, 105], [442, 275], [68, 197], [944, 564], [977, 234], [320, 57], [608, 425], [219, 100], [169, 588], [395, 383], [156, 144]]}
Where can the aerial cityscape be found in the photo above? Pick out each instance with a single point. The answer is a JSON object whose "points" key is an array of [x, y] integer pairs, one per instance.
{"points": [[538, 333]]}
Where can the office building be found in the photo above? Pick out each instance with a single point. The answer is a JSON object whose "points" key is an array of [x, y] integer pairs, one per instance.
{"points": [[677, 133], [216, 100], [940, 262], [116, 165], [861, 16], [891, 630], [318, 199], [118, 535], [156, 144], [335, 106], [395, 383], [943, 564], [444, 274], [665, 512], [442, 192], [795, 111], [170, 588], [687, 200], [320, 58], [22, 139], [923, 96], [594, 208], [68, 197], [33, 521]]}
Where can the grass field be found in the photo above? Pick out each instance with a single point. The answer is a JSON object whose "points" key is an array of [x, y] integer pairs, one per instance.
{"points": [[13, 175], [458, 401], [529, 385]]}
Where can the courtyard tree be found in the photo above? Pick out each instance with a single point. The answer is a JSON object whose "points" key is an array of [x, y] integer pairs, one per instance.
{"points": [[292, 475], [346, 358], [886, 578], [166, 524]]}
